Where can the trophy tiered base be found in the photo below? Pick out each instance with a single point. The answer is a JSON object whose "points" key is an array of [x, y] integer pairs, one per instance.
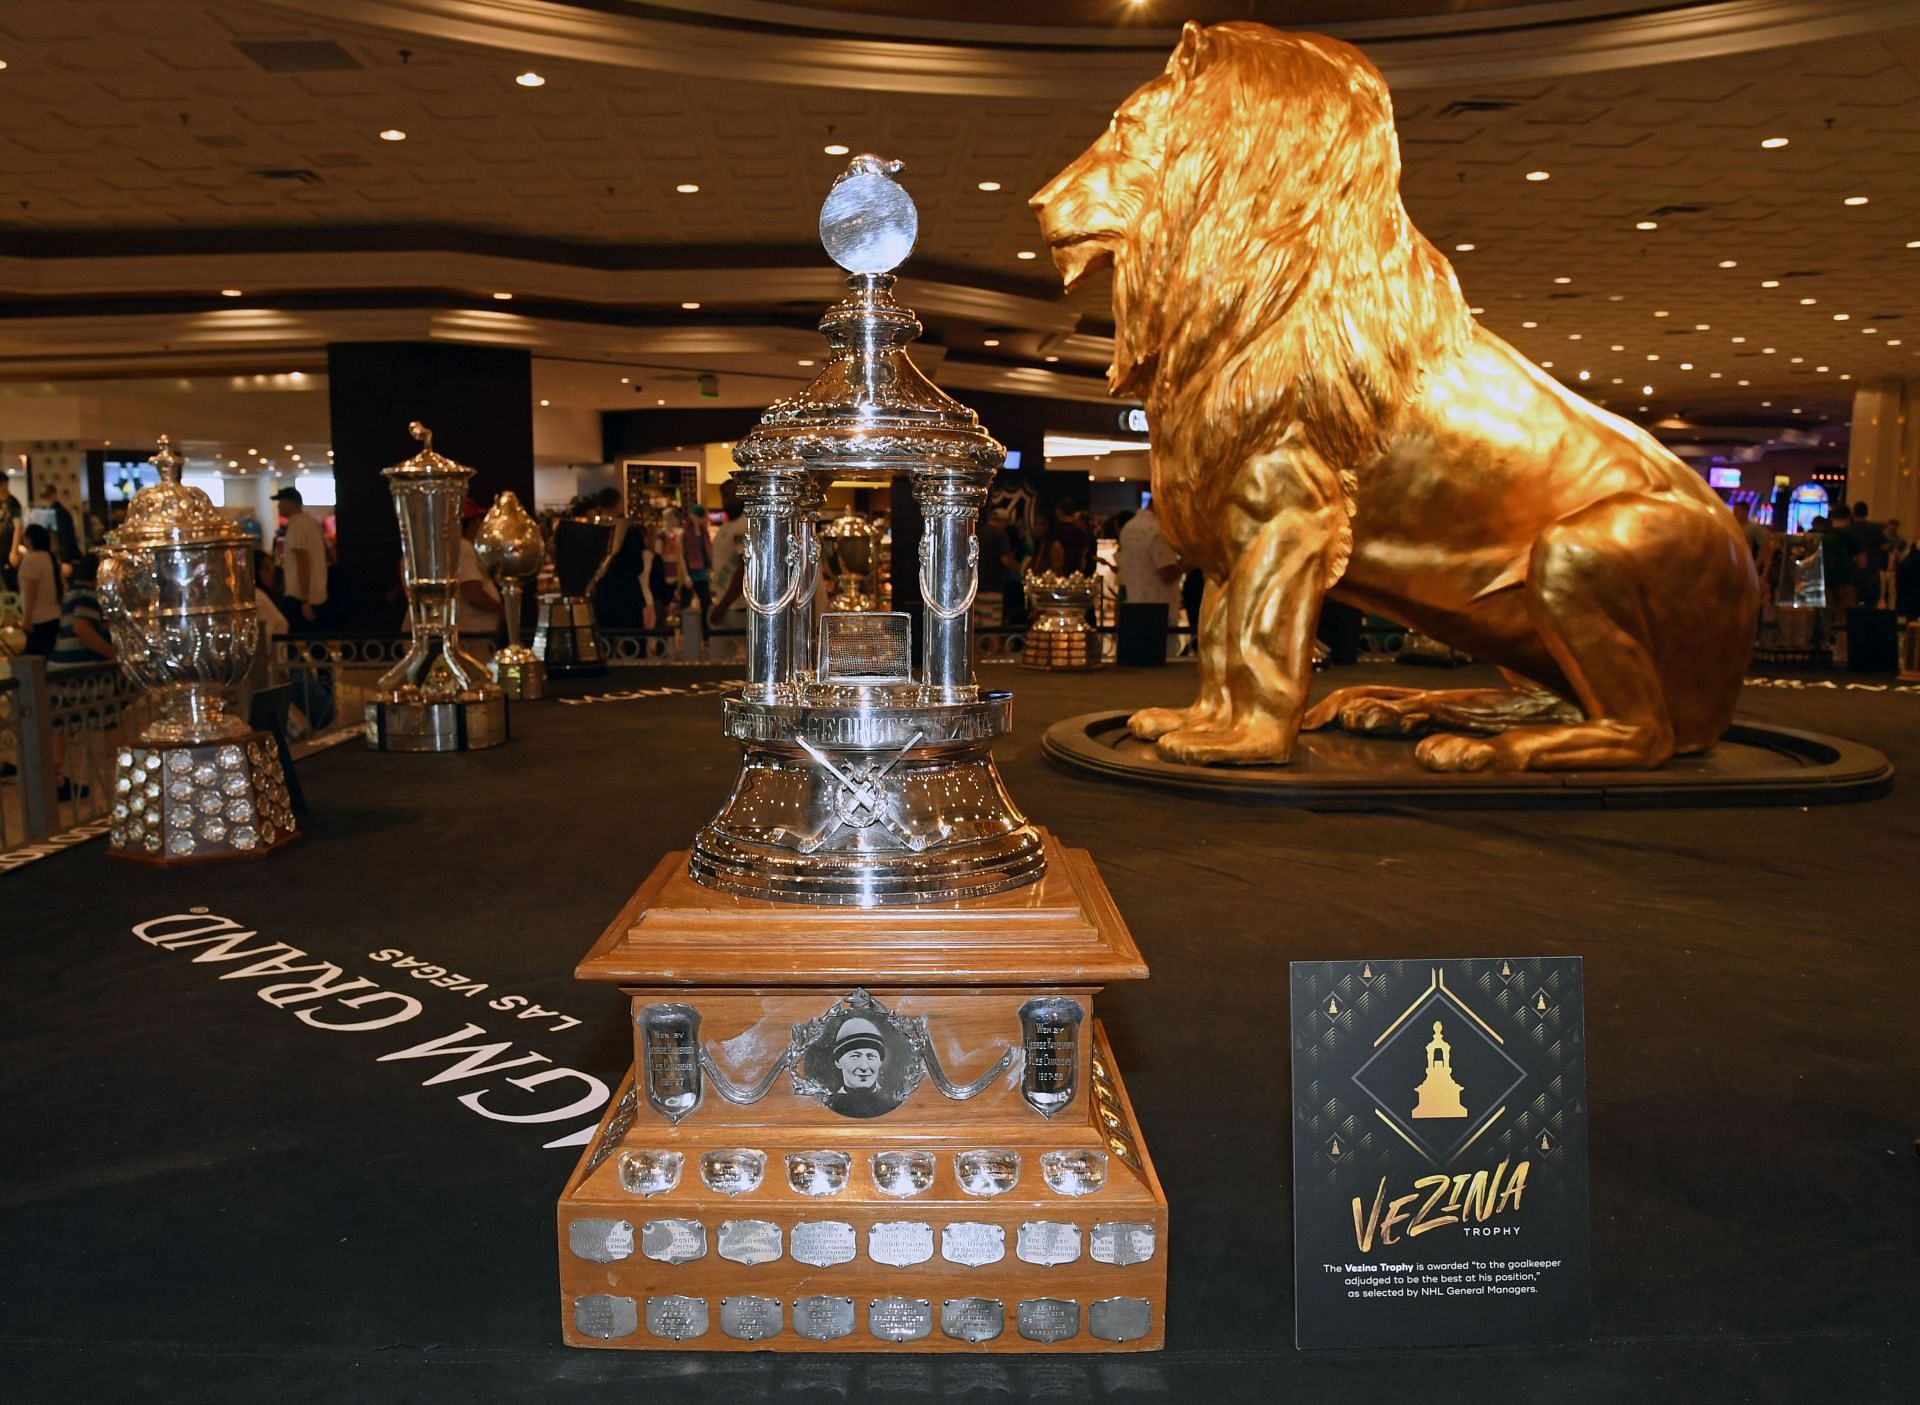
{"points": [[519, 672], [201, 802], [465, 725], [884, 1129], [567, 639]]}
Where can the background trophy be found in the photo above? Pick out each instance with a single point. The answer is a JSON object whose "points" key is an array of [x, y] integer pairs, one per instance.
{"points": [[869, 1109], [176, 584], [1059, 635], [566, 637], [510, 549], [852, 547], [439, 697]]}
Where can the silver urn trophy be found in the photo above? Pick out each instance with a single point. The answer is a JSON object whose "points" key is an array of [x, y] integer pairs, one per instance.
{"points": [[867, 774], [510, 549], [176, 586], [1059, 634], [852, 552], [438, 697]]}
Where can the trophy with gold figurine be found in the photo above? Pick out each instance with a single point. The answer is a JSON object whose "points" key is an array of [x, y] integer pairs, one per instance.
{"points": [[870, 1110], [510, 549]]}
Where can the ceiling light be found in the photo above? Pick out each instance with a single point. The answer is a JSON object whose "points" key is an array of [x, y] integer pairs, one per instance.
{"points": [[1774, 143], [805, 361], [287, 447], [1616, 347], [1547, 364], [1840, 317], [1476, 311], [1729, 263], [231, 293], [1573, 336], [689, 307], [1051, 359], [1769, 282], [1616, 297], [503, 297], [1646, 390], [1766, 351], [1686, 365], [393, 134], [1653, 356], [1661, 313], [254, 452], [687, 188], [1586, 375], [1736, 340], [1819, 368], [1893, 341], [530, 79], [233, 463], [1795, 360], [1647, 224], [1713, 375], [1469, 248], [1868, 331], [1764, 404], [1616, 380], [1701, 327], [1808, 302], [989, 185], [626, 380], [662, 402], [1854, 200], [1845, 377], [832, 148], [1913, 243], [991, 341], [546, 402], [1026, 254], [1529, 324], [1746, 382], [1794, 411], [1538, 175], [1563, 280]]}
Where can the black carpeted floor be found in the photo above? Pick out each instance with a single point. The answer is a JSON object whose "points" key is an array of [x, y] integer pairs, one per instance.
{"points": [[206, 1198]]}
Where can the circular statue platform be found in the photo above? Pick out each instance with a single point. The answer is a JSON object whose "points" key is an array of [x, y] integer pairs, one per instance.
{"points": [[1753, 765]]}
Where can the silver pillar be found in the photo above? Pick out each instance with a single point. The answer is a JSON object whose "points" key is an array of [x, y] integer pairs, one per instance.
{"points": [[773, 577], [950, 501]]}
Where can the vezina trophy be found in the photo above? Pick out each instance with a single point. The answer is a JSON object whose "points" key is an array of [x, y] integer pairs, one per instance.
{"points": [[510, 549], [176, 585], [869, 1110]]}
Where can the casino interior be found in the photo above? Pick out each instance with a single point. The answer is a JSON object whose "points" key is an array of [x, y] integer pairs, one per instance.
{"points": [[1101, 617]]}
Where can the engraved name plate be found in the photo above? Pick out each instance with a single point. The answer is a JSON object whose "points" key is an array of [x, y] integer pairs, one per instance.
{"points": [[733, 1172], [750, 1319], [900, 1319], [670, 1058], [604, 1316], [1049, 1319], [902, 1173], [823, 1319], [749, 1241], [1048, 1242], [1120, 1319], [973, 1244], [1073, 1172], [1050, 1035], [650, 1172], [676, 1317], [822, 1243], [818, 1172], [600, 1241], [1120, 1243], [987, 1171], [900, 1242], [673, 1241], [973, 1319]]}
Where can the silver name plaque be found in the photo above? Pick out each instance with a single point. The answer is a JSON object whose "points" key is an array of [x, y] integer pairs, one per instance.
{"points": [[973, 1319], [900, 1319], [973, 1244], [1073, 1172], [1049, 1319], [650, 1172], [670, 1058], [818, 1172], [600, 1241], [1120, 1319], [673, 1241], [900, 1243], [604, 1316], [822, 1319], [988, 1171], [733, 1172], [676, 1317], [902, 1173], [1120, 1243], [1048, 1242], [1050, 1036], [749, 1241], [822, 1243], [750, 1319]]}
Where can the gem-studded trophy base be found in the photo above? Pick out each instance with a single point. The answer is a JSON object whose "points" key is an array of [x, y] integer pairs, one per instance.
{"points": [[437, 726], [202, 803], [519, 672], [567, 639]]}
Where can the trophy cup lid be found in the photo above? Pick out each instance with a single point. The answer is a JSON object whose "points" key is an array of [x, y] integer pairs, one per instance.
{"points": [[849, 526], [172, 514], [426, 464], [869, 412]]}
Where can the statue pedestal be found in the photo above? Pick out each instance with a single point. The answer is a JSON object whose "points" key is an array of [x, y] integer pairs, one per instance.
{"points": [[200, 802], [982, 1185]]}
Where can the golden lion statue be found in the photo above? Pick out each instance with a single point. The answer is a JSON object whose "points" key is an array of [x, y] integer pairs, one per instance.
{"points": [[1328, 419]]}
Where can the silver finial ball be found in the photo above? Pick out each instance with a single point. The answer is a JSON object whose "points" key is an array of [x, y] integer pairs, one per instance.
{"points": [[869, 222]]}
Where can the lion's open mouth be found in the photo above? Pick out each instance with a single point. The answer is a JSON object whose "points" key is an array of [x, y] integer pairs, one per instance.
{"points": [[1078, 255]]}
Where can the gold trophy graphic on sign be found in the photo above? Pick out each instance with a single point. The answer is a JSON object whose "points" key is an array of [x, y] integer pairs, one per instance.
{"points": [[1439, 1094]]}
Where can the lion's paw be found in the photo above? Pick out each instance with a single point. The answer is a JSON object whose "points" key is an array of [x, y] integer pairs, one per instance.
{"points": [[1380, 717], [1150, 723], [1248, 744], [1456, 753]]}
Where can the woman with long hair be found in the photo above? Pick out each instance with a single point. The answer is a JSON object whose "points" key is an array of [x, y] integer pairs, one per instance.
{"points": [[40, 591]]}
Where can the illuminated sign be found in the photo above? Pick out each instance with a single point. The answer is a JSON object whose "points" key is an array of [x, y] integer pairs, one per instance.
{"points": [[1134, 421], [1723, 477]]}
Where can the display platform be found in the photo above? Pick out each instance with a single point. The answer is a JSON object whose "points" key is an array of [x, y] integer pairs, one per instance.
{"points": [[1755, 764], [215, 1197]]}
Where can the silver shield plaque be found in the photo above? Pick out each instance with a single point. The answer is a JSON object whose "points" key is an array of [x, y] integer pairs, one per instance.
{"points": [[1120, 1319], [670, 1058], [902, 1173], [822, 1243], [973, 1319], [749, 1241], [900, 1243], [673, 1241], [972, 1243], [1120, 1243], [1049, 1319], [818, 1172], [733, 1172], [676, 1317], [900, 1319], [822, 1319], [1050, 1035], [987, 1171], [650, 1172], [1073, 1172], [604, 1316], [1048, 1242], [600, 1241], [750, 1319]]}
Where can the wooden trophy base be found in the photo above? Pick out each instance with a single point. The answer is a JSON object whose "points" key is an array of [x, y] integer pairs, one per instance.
{"points": [[757, 1186]]}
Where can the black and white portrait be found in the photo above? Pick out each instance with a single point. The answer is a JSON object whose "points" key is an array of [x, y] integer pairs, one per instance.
{"points": [[858, 1058]]}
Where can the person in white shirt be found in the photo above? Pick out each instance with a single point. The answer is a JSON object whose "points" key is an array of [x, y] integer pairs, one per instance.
{"points": [[1149, 568], [303, 561], [476, 610], [39, 591]]}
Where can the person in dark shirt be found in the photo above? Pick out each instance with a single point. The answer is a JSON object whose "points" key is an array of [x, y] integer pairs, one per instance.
{"points": [[83, 634], [1072, 542], [13, 526], [1837, 552], [66, 542], [1869, 556]]}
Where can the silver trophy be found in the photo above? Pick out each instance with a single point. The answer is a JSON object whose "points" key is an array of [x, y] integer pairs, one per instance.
{"points": [[1059, 634], [865, 780], [176, 586], [510, 549], [439, 697], [851, 548]]}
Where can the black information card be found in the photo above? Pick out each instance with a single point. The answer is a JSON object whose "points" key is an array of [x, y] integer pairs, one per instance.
{"points": [[1439, 1152]]}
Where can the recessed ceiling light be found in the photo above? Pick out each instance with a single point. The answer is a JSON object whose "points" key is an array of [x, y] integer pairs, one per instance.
{"points": [[1026, 254], [1586, 375], [1795, 360], [1769, 282], [1616, 380], [659, 402], [1547, 364], [287, 447], [1868, 331], [1539, 175], [1854, 200], [503, 297], [1729, 263], [231, 293], [990, 341], [1647, 224], [689, 307], [833, 148], [626, 380], [256, 452], [1616, 297], [1774, 143], [1736, 340], [1794, 411], [1701, 327], [1616, 347], [1845, 377], [1529, 324], [1819, 368], [1766, 351], [989, 185], [1713, 375], [393, 134], [1840, 317], [686, 188], [805, 361], [1051, 359], [1661, 313], [1746, 382], [529, 79], [1573, 336], [1913, 243], [1764, 404], [1686, 365], [1476, 311], [546, 402], [1646, 390], [1469, 248], [1563, 280], [1893, 341], [1808, 302]]}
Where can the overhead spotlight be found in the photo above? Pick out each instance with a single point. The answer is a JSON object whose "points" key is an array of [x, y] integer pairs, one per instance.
{"points": [[1701, 327], [1586, 375], [1795, 360], [689, 307], [1050, 359], [1845, 377], [1026, 254], [709, 386], [1653, 356], [660, 402], [1819, 368], [1746, 382], [1808, 302], [1769, 282], [1713, 375], [805, 361], [1529, 324], [1774, 143], [1913, 243], [1647, 224], [503, 297], [990, 341], [1616, 347], [546, 402], [1868, 331], [1662, 313], [1686, 365], [1469, 248], [1547, 364], [530, 79], [1646, 390], [393, 134], [1840, 317], [626, 380], [1764, 404], [1893, 341], [1854, 200], [832, 148], [1539, 175], [1736, 340], [231, 293], [254, 453], [988, 186], [687, 188], [233, 463], [1563, 280], [1729, 263], [1766, 351], [287, 447]]}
